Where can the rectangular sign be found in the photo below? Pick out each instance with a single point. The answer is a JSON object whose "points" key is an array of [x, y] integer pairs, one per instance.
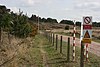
{"points": [[87, 26], [86, 29], [86, 40]]}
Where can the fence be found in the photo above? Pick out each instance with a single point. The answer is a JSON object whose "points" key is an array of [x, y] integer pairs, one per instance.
{"points": [[65, 48]]}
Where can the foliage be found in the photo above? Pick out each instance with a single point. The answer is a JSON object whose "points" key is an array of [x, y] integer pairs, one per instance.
{"points": [[16, 24], [35, 18], [66, 27], [5, 17], [34, 29], [67, 22], [78, 24], [20, 26]]}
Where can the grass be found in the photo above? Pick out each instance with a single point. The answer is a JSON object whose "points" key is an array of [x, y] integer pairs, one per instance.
{"points": [[77, 36], [56, 59], [33, 57], [96, 40]]}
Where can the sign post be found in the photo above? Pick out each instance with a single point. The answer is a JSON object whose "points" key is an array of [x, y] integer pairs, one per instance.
{"points": [[86, 33], [87, 29]]}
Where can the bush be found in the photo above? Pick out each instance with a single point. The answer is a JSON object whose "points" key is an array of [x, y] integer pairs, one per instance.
{"points": [[66, 27]]}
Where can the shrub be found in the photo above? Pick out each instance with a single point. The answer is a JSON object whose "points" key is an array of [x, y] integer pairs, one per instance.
{"points": [[66, 27]]}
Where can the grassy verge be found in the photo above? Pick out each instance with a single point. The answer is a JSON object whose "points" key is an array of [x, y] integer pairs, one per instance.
{"points": [[77, 36], [55, 59], [33, 57]]}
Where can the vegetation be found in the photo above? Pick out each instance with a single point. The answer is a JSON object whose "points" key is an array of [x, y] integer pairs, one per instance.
{"points": [[66, 27], [5, 19], [16, 24], [36, 18], [69, 22]]}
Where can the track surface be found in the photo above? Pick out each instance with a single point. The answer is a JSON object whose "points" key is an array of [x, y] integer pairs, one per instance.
{"points": [[94, 47]]}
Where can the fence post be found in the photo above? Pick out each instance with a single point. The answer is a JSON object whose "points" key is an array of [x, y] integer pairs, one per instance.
{"points": [[82, 55], [53, 39], [68, 50], [61, 45], [56, 41], [49, 36]]}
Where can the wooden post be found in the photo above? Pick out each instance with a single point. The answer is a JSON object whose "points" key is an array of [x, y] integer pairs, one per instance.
{"points": [[68, 50], [53, 39], [49, 37], [82, 55], [61, 45], [56, 41]]}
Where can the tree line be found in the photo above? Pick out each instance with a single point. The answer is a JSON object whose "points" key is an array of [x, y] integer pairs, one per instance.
{"points": [[48, 20], [69, 22]]}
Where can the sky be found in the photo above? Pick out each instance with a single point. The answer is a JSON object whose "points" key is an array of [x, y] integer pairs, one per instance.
{"points": [[58, 9]]}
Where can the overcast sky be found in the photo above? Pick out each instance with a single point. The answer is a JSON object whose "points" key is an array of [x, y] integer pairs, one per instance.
{"points": [[58, 9]]}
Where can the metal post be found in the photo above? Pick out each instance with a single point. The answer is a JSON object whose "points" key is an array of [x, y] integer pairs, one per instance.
{"points": [[56, 41], [82, 55], [61, 45], [68, 50]]}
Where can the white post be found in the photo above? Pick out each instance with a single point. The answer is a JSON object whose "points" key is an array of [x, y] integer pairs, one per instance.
{"points": [[74, 31]]}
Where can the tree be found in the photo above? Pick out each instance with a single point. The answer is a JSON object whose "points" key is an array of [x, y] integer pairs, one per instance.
{"points": [[5, 19], [78, 24], [33, 18], [21, 27], [43, 20], [67, 22]]}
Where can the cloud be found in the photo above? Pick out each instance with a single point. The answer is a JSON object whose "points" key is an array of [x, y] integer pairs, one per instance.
{"points": [[14, 9], [94, 6], [31, 2], [34, 2]]}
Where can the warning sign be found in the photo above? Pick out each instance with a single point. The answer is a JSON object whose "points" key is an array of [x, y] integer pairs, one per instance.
{"points": [[88, 40], [87, 34], [87, 20], [86, 29]]}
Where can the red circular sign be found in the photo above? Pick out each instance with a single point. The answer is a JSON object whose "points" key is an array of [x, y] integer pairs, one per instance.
{"points": [[87, 20]]}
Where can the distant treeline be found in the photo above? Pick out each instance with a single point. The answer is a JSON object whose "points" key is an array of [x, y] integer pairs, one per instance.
{"points": [[49, 20], [69, 22]]}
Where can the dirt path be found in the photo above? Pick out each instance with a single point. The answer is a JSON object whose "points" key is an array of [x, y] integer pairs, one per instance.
{"points": [[44, 56], [94, 47]]}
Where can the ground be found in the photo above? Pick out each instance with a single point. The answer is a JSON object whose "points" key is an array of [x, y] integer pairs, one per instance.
{"points": [[38, 51]]}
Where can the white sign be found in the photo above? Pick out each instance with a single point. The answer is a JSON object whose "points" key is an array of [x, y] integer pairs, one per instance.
{"points": [[86, 29]]}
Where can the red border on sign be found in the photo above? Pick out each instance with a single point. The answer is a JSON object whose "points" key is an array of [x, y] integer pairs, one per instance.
{"points": [[87, 20], [87, 26]]}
